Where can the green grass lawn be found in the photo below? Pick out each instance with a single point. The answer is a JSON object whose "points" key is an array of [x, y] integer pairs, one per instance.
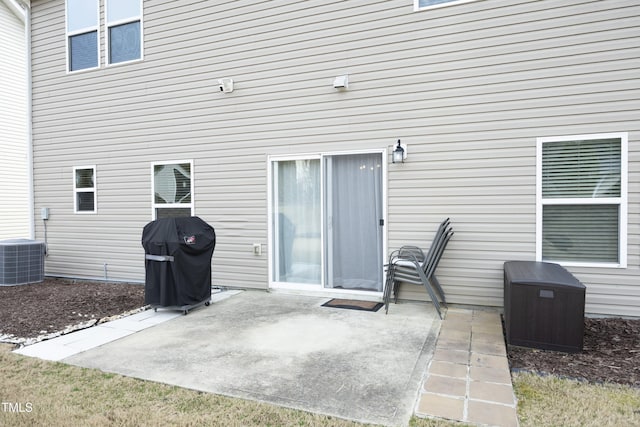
{"points": [[56, 394], [551, 401], [34, 392]]}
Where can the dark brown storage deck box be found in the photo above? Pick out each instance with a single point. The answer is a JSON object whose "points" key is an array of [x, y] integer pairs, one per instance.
{"points": [[543, 306]]}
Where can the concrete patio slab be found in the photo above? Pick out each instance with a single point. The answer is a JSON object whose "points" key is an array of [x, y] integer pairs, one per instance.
{"points": [[287, 350]]}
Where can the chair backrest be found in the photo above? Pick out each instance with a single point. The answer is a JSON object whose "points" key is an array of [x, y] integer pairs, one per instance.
{"points": [[430, 268], [435, 250], [437, 241]]}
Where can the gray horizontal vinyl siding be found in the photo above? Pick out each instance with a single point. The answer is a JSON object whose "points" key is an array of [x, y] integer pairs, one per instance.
{"points": [[468, 88], [14, 190]]}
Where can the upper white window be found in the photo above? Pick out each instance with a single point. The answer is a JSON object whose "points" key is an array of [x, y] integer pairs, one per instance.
{"points": [[172, 189], [124, 30], [582, 199], [82, 34], [84, 189], [432, 4]]}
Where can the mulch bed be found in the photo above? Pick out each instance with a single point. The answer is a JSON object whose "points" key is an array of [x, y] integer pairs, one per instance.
{"points": [[611, 353], [32, 310]]}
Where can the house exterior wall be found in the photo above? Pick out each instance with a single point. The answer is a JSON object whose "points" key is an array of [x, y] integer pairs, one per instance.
{"points": [[14, 191], [468, 88]]}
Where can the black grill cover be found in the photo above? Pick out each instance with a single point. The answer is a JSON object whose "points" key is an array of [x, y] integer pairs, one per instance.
{"points": [[178, 261]]}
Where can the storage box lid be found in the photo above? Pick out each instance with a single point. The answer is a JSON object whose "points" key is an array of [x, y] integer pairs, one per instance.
{"points": [[543, 273]]}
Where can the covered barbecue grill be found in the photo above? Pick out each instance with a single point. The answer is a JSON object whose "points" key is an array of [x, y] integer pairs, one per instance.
{"points": [[178, 254]]}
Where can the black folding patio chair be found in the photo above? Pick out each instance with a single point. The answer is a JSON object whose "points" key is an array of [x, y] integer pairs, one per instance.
{"points": [[409, 264]]}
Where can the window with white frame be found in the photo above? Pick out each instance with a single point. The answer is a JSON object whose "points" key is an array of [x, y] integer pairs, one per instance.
{"points": [[432, 4], [124, 30], [84, 189], [582, 199], [172, 189], [82, 34]]}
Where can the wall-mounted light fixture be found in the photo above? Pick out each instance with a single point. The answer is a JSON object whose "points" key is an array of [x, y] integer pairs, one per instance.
{"points": [[225, 85], [341, 82], [399, 154]]}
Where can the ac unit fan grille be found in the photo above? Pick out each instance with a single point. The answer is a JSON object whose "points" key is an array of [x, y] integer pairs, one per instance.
{"points": [[21, 262]]}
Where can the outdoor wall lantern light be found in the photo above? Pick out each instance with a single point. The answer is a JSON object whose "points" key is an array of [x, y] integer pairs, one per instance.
{"points": [[399, 154]]}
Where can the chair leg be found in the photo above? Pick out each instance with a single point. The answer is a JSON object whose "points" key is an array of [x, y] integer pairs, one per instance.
{"points": [[436, 284], [427, 285], [396, 291], [389, 284]]}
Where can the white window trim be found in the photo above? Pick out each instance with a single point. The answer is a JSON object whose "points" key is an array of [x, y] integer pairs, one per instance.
{"points": [[417, 7], [94, 189], [621, 201], [108, 25], [155, 205], [68, 34], [319, 289]]}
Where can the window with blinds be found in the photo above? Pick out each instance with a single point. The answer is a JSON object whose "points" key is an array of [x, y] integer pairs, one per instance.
{"points": [[82, 34], [84, 189], [123, 30], [582, 199]]}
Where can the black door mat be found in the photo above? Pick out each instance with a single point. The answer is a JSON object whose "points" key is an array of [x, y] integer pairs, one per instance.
{"points": [[352, 304]]}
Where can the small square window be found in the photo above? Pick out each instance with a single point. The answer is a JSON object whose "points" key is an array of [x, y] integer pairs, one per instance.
{"points": [[86, 202], [84, 189]]}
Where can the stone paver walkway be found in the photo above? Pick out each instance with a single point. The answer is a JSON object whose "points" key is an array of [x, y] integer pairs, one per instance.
{"points": [[468, 378]]}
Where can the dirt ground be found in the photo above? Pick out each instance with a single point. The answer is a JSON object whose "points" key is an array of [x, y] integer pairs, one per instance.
{"points": [[611, 353], [611, 346], [29, 311]]}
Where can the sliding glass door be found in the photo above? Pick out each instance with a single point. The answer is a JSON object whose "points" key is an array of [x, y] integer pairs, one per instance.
{"points": [[353, 213], [296, 223], [327, 222]]}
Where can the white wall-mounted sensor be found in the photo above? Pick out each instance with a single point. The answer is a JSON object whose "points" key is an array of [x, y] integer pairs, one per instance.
{"points": [[257, 249], [341, 82], [225, 85]]}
